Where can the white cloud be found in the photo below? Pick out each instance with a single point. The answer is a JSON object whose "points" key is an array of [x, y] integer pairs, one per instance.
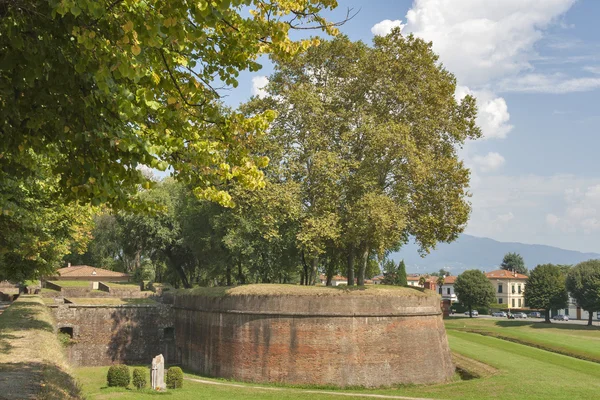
{"points": [[384, 27], [552, 219], [504, 218], [546, 209], [258, 85], [492, 112], [480, 41], [548, 83], [582, 213], [490, 162], [594, 69]]}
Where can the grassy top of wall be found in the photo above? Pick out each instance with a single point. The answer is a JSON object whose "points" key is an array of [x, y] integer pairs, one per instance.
{"points": [[297, 290], [32, 362]]}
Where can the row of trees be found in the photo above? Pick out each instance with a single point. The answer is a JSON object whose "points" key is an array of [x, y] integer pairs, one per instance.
{"points": [[92, 91], [548, 287], [362, 155]]}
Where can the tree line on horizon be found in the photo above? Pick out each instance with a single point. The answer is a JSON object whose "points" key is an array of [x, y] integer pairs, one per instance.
{"points": [[352, 151], [548, 286]]}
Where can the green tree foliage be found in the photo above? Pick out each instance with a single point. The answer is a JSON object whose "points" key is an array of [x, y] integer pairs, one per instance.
{"points": [[546, 289], [118, 375], [514, 262], [394, 274], [101, 88], [174, 378], [351, 132], [402, 281], [139, 377], [583, 284], [36, 229], [474, 289]]}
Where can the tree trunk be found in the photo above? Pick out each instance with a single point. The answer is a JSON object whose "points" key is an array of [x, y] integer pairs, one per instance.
{"points": [[350, 270], [547, 316], [470, 311], [362, 268], [241, 278], [305, 276], [591, 314], [315, 270], [228, 274], [178, 269]]}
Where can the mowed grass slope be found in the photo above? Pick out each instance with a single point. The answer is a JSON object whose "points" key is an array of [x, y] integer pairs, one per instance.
{"points": [[32, 361], [521, 372], [569, 339]]}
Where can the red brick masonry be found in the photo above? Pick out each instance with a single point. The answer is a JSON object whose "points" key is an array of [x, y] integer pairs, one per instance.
{"points": [[369, 341]]}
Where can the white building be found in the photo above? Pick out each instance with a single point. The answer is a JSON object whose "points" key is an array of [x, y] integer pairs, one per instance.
{"points": [[447, 289]]}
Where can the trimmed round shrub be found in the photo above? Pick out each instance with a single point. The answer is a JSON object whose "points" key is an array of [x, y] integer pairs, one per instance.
{"points": [[118, 375], [139, 377], [174, 378]]}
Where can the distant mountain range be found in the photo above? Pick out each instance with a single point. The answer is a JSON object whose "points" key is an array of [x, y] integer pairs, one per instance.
{"points": [[469, 252]]}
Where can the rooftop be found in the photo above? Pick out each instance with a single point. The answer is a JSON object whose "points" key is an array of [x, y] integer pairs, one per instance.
{"points": [[504, 274]]}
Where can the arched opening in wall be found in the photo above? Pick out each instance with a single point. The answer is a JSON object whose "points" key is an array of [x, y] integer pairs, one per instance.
{"points": [[169, 333], [66, 330]]}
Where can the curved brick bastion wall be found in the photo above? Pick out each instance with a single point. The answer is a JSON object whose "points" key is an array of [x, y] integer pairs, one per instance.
{"points": [[313, 335]]}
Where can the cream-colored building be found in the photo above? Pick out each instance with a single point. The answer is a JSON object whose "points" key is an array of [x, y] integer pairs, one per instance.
{"points": [[509, 287]]}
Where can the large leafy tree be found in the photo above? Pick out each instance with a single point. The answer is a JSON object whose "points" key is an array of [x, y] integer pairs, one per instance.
{"points": [[474, 289], [583, 284], [546, 289], [101, 88], [514, 262], [36, 230], [370, 134]]}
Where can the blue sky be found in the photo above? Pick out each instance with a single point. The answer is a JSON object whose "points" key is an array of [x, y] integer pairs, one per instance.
{"points": [[534, 66]]}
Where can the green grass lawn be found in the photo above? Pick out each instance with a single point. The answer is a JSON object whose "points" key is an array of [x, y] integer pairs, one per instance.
{"points": [[67, 284], [575, 340], [521, 372]]}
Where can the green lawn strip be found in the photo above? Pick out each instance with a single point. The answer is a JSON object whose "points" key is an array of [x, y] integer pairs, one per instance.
{"points": [[32, 362], [93, 381], [67, 284], [577, 341], [523, 372]]}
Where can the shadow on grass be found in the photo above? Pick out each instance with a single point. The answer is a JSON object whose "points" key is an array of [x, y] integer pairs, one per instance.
{"points": [[23, 315], [37, 380], [544, 325]]}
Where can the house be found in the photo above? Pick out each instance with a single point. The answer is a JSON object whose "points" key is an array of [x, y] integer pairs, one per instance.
{"points": [[509, 287], [336, 280], [575, 312], [413, 280], [87, 273], [447, 289], [377, 280]]}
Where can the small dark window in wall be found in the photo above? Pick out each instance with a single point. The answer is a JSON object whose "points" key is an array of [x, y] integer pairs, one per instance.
{"points": [[169, 333], [448, 290], [67, 330]]}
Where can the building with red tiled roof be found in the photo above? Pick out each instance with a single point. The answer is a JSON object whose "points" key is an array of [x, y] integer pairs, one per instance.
{"points": [[87, 273], [509, 287], [336, 280], [447, 289]]}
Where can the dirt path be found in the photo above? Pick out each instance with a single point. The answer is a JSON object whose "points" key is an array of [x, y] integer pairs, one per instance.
{"points": [[310, 391]]}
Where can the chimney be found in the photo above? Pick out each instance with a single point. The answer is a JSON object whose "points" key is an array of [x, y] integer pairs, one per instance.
{"points": [[515, 273]]}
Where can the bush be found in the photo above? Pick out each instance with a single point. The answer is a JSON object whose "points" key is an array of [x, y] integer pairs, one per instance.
{"points": [[139, 377], [174, 378], [118, 375]]}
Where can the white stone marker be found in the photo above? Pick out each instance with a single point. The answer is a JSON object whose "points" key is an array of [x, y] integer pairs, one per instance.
{"points": [[158, 373]]}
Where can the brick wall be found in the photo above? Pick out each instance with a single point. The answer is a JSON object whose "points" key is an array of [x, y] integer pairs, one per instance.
{"points": [[104, 335], [366, 341]]}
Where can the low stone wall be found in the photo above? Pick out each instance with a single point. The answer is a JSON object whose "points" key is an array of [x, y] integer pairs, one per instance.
{"points": [[342, 339], [109, 334]]}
